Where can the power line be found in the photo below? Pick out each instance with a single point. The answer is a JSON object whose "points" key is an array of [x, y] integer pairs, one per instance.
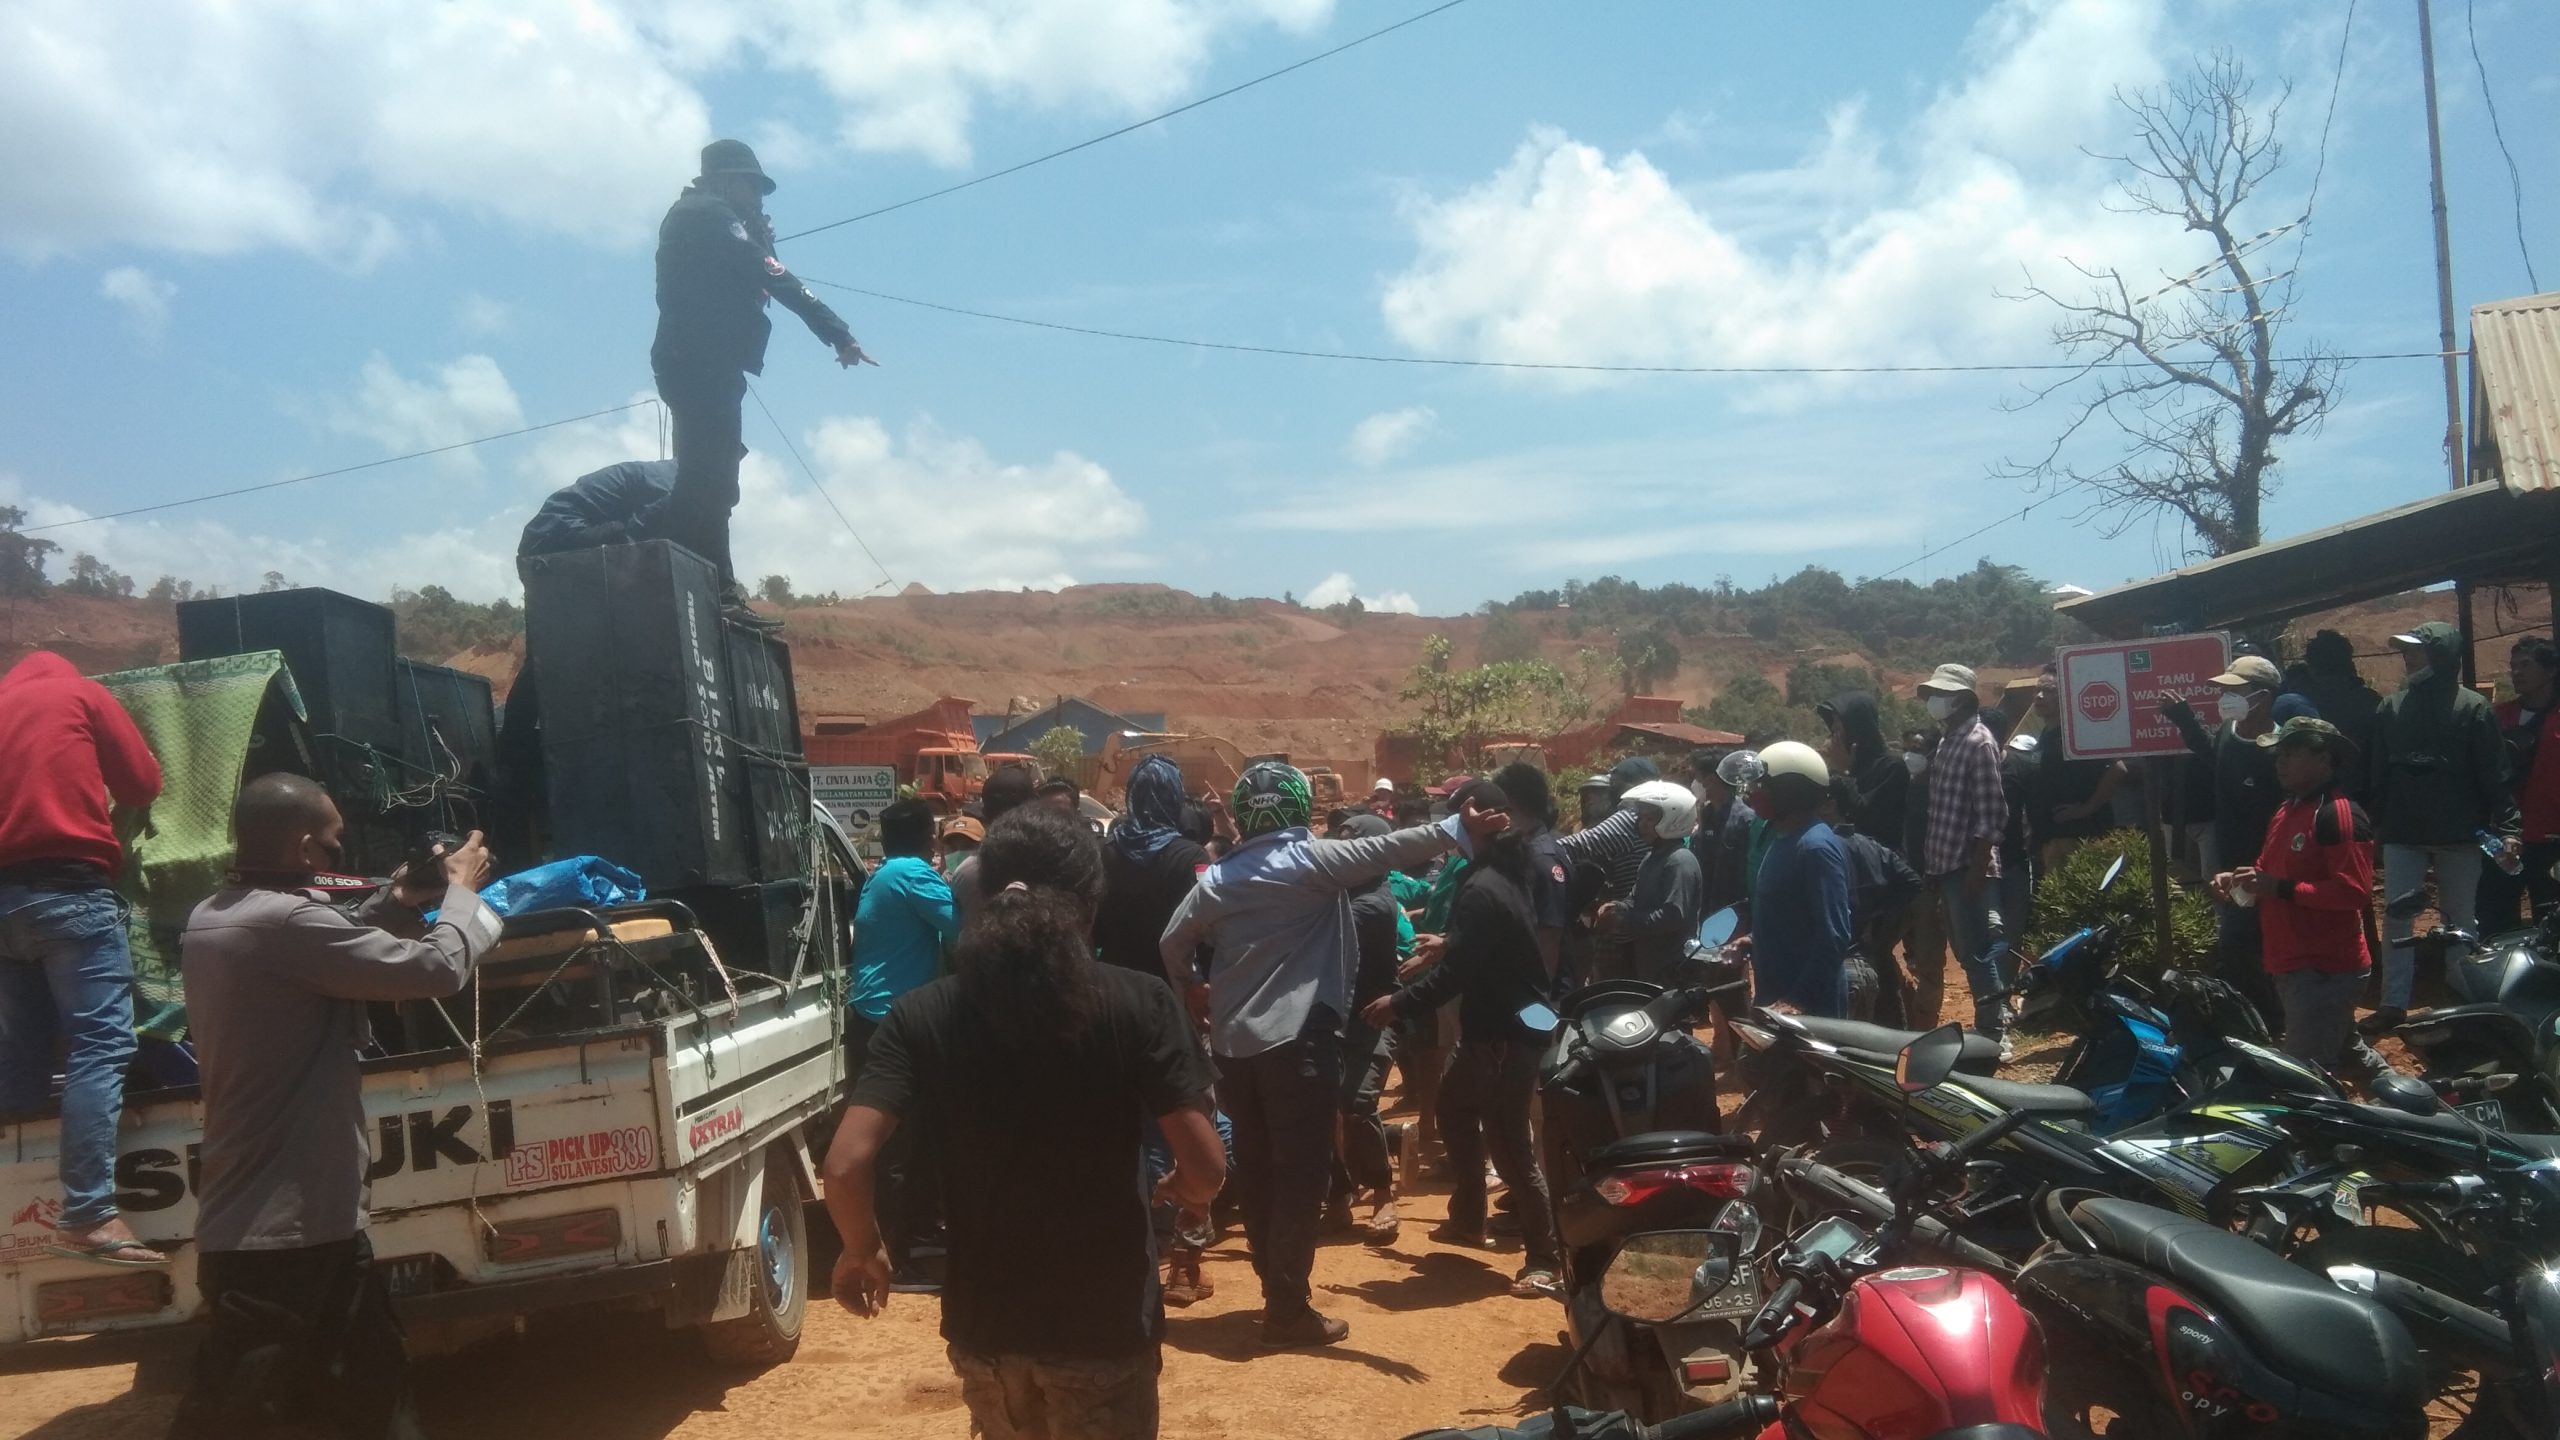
{"points": [[2020, 513], [2515, 181], [1125, 129], [1371, 359], [341, 470], [885, 577]]}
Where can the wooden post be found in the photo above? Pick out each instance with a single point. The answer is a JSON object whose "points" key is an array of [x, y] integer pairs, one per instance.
{"points": [[2154, 775]]}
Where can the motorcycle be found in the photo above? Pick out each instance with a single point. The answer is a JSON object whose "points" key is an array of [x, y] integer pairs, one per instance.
{"points": [[2197, 1160], [2496, 1053], [1867, 1339], [2138, 1049], [1785, 1067], [1631, 1141], [2159, 1325], [1657, 1278]]}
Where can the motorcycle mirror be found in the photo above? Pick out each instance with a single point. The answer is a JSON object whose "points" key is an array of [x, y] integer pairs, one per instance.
{"points": [[1718, 928], [1661, 1275], [2107, 881], [1538, 1018], [1929, 1059]]}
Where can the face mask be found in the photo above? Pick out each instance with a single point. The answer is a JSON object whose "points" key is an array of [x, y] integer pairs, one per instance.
{"points": [[1761, 805], [2233, 707], [1941, 707], [1916, 763]]}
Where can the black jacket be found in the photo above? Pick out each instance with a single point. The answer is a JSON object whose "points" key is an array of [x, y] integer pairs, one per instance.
{"points": [[2439, 763], [2245, 792], [715, 268], [614, 495], [1490, 963], [1882, 782]]}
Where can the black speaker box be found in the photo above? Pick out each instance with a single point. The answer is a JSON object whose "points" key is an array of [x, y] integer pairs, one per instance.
{"points": [[340, 649]]}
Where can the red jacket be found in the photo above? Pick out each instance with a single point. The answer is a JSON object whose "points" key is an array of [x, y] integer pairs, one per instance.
{"points": [[2315, 883], [66, 746], [2538, 789]]}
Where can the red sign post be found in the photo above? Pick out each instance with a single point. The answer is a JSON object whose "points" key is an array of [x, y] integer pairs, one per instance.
{"points": [[2111, 693]]}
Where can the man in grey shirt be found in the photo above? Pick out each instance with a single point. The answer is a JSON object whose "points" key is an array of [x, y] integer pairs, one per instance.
{"points": [[277, 982], [1276, 914]]}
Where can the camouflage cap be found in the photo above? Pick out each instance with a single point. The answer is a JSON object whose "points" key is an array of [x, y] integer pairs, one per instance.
{"points": [[2308, 730]]}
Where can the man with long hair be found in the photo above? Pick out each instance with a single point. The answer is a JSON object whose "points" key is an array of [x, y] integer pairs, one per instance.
{"points": [[1036, 1067]]}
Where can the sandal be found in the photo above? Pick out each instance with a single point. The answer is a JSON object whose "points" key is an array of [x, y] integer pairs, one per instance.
{"points": [[1535, 1284], [124, 1254], [1384, 1224]]}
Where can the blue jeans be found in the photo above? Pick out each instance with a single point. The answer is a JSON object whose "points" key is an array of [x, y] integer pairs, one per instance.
{"points": [[1969, 934], [2404, 868], [64, 973]]}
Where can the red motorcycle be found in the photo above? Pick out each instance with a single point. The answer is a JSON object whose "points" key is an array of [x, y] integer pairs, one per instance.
{"points": [[1870, 1335]]}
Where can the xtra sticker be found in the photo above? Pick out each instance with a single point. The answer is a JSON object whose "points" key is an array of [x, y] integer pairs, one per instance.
{"points": [[712, 1129], [596, 1155]]}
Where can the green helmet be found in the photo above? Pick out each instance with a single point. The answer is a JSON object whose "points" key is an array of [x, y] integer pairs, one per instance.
{"points": [[1272, 796]]}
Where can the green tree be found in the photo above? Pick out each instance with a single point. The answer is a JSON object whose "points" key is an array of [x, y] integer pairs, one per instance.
{"points": [[1647, 659], [169, 590], [1750, 706], [1059, 749], [274, 580], [1457, 710], [93, 577], [21, 556], [435, 624], [776, 590]]}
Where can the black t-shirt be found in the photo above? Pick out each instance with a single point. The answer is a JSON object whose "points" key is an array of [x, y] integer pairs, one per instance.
{"points": [[1490, 965], [1550, 882], [1373, 926], [1043, 1194], [1138, 901]]}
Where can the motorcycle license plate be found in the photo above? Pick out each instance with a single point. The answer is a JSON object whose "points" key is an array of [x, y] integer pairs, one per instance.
{"points": [[1741, 1298], [2492, 1113]]}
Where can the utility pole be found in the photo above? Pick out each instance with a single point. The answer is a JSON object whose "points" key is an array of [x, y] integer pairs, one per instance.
{"points": [[2457, 459]]}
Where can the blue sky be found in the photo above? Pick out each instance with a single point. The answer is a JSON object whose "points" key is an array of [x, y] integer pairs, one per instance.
{"points": [[243, 243]]}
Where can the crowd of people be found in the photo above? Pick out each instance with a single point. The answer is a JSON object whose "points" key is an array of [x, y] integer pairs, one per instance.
{"points": [[1214, 992]]}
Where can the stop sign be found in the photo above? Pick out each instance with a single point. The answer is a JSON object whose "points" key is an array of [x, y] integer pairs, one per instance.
{"points": [[2100, 700]]}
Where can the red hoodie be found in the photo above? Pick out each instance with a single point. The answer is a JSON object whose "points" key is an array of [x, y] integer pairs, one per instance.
{"points": [[65, 747]]}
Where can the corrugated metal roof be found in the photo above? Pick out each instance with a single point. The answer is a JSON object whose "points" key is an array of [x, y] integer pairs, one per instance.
{"points": [[2515, 392]]}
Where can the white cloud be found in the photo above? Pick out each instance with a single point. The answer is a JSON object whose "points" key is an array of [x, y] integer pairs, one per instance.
{"points": [[1388, 434], [206, 127], [1871, 249], [144, 296], [1338, 587], [479, 317], [461, 400], [935, 507]]}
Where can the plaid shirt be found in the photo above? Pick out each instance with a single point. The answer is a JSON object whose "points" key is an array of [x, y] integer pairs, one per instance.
{"points": [[1965, 800]]}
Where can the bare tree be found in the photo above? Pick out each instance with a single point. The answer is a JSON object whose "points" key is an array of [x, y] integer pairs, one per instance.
{"points": [[2187, 370]]}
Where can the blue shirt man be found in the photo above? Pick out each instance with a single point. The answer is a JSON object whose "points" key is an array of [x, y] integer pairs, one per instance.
{"points": [[905, 916], [1800, 925]]}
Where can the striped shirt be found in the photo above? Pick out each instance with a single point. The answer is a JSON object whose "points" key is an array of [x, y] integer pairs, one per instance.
{"points": [[1965, 800]]}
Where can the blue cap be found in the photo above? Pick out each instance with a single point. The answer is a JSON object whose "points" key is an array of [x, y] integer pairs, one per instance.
{"points": [[2293, 707]]}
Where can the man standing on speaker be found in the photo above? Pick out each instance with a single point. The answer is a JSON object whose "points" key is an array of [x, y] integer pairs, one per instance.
{"points": [[715, 270]]}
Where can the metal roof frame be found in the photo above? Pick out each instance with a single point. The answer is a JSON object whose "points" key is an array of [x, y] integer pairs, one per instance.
{"points": [[2480, 533]]}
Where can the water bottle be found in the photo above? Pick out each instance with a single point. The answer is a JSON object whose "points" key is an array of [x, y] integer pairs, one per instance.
{"points": [[2494, 846]]}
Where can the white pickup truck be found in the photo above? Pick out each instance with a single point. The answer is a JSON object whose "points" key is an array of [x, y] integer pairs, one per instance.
{"points": [[626, 1133]]}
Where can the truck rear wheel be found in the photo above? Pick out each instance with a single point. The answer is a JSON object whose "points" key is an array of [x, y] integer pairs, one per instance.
{"points": [[769, 1333]]}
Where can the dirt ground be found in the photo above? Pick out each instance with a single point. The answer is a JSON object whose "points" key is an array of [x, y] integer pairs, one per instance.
{"points": [[1435, 1339]]}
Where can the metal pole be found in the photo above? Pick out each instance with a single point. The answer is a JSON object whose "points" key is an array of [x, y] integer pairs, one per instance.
{"points": [[2456, 460], [2155, 775]]}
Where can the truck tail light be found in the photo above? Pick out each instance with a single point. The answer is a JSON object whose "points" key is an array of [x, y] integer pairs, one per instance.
{"points": [[1634, 1187], [81, 1304], [552, 1236]]}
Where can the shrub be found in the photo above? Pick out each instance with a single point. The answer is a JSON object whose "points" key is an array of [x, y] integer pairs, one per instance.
{"points": [[2068, 899]]}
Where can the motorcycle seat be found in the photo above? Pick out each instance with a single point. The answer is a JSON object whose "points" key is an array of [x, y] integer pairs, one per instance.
{"points": [[1668, 1147], [1980, 1056], [2307, 1329], [2059, 1100]]}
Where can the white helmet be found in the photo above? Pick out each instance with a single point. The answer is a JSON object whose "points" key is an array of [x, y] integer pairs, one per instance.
{"points": [[1790, 757], [1677, 806]]}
